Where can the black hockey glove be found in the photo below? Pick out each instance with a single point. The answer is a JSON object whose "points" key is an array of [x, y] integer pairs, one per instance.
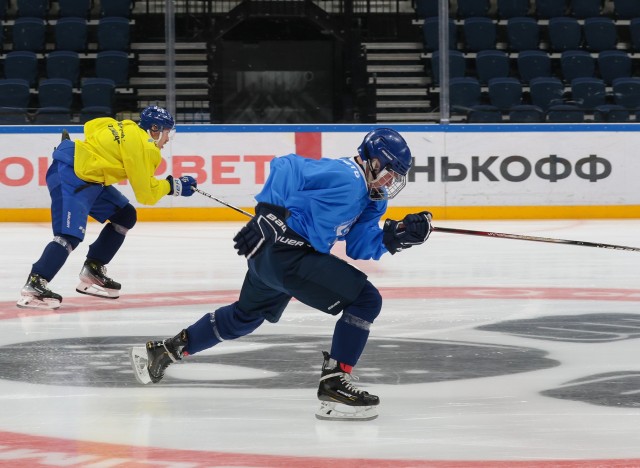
{"points": [[264, 228], [182, 186], [414, 229]]}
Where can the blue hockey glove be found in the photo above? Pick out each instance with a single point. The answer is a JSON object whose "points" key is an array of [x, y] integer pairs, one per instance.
{"points": [[264, 228], [414, 229], [182, 186]]}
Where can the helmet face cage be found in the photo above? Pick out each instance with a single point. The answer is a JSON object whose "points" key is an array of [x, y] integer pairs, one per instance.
{"points": [[394, 157]]}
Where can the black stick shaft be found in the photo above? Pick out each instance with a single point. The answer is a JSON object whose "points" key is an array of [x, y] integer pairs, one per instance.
{"points": [[533, 238], [208, 195]]}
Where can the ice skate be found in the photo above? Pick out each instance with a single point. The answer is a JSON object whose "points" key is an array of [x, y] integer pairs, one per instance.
{"points": [[340, 399], [95, 282], [36, 295], [150, 362]]}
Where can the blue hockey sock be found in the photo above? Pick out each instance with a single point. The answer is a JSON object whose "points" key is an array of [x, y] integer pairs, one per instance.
{"points": [[352, 330], [106, 245], [53, 257], [226, 323]]}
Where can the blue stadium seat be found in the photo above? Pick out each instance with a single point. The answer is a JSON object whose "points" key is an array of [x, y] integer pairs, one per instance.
{"points": [[14, 94], [94, 112], [22, 64], [626, 92], [565, 113], [512, 8], [52, 116], [76, 8], [626, 9], [491, 64], [13, 116], [565, 33], [586, 8], [426, 8], [505, 93], [614, 64], [611, 113], [479, 34], [55, 92], [113, 64], [28, 34], [63, 64], [470, 8], [97, 92], [3, 8], [116, 8], [483, 113], [550, 8], [546, 92], [457, 65], [71, 34], [465, 93], [526, 113], [32, 8], [523, 33], [600, 33], [634, 31], [113, 33], [577, 64], [588, 92], [532, 64], [430, 34]]}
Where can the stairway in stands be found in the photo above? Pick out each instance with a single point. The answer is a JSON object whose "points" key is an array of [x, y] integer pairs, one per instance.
{"points": [[192, 79], [396, 71]]}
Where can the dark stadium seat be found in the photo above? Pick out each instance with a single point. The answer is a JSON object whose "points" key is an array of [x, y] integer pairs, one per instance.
{"points": [[21, 64], [626, 9], [470, 8], [52, 116], [14, 93], [76, 8], [600, 33], [430, 34], [550, 8], [32, 8], [113, 64], [634, 32], [614, 64], [588, 92], [116, 8], [577, 64], [523, 33], [565, 33], [113, 33], [426, 8], [626, 92], [484, 113], [97, 92], [457, 65], [491, 64], [532, 64], [565, 113], [63, 64], [71, 34], [512, 8], [3, 8], [479, 34], [55, 92], [611, 113], [28, 34], [465, 93], [526, 113], [505, 93], [546, 92], [585, 8], [93, 112]]}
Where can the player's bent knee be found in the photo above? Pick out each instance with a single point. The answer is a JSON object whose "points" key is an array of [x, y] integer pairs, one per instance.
{"points": [[124, 219], [68, 242], [367, 305]]}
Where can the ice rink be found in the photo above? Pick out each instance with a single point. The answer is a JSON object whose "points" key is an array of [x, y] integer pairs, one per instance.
{"points": [[488, 353]]}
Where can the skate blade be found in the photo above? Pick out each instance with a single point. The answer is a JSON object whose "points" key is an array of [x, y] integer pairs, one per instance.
{"points": [[330, 411], [91, 289], [139, 359], [30, 302]]}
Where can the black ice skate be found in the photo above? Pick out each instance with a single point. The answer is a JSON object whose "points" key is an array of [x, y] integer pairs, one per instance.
{"points": [[36, 295], [336, 388], [95, 282], [150, 362]]}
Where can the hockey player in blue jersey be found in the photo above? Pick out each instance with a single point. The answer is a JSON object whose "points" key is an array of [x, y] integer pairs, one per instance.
{"points": [[304, 207]]}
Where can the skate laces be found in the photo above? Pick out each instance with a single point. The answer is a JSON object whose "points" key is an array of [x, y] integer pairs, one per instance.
{"points": [[346, 379]]}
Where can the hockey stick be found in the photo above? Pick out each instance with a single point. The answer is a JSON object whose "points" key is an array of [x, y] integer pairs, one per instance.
{"points": [[208, 195], [469, 232], [533, 238]]}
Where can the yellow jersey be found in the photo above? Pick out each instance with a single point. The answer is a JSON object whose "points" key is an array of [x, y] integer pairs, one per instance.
{"points": [[113, 151]]}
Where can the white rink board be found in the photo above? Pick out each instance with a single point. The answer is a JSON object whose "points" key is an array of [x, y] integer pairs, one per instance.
{"points": [[461, 165]]}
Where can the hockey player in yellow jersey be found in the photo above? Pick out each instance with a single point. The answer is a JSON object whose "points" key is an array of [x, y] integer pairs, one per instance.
{"points": [[81, 182]]}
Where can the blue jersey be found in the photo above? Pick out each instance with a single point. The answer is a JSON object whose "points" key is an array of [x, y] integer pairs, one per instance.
{"points": [[329, 201]]}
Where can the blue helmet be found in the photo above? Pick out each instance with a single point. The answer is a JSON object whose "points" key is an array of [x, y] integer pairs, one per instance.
{"points": [[157, 119], [389, 148]]}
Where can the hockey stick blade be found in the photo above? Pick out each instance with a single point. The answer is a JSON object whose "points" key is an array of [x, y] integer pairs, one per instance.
{"points": [[222, 202], [501, 235]]}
